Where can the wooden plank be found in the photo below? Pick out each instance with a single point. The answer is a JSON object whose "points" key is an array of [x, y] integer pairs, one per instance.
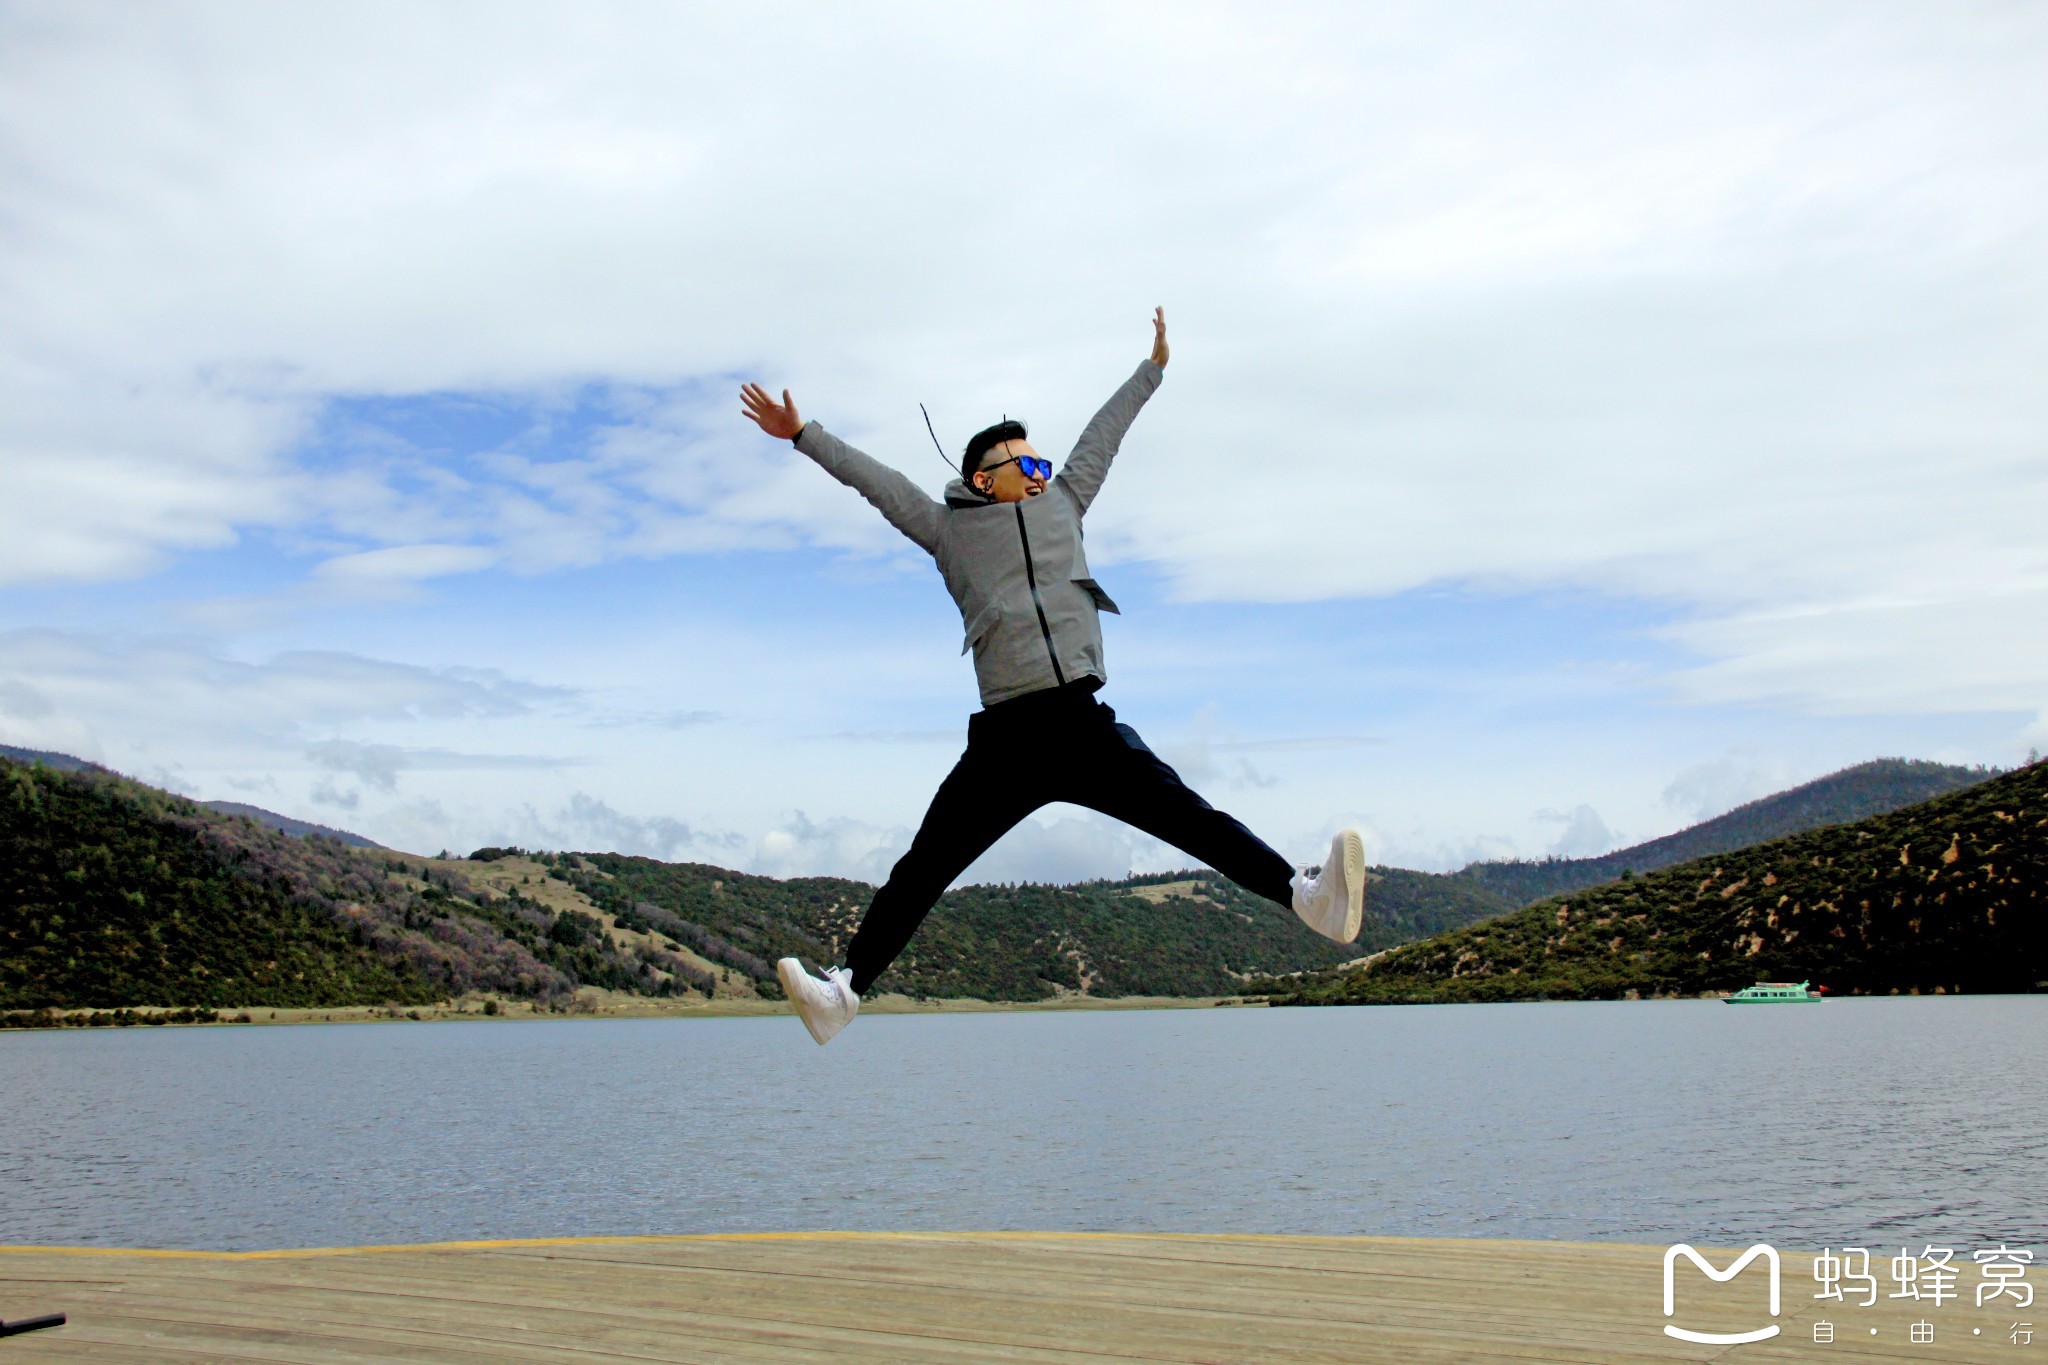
{"points": [[916, 1297]]}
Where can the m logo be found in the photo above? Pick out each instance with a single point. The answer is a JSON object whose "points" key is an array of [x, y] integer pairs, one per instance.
{"points": [[1671, 1256]]}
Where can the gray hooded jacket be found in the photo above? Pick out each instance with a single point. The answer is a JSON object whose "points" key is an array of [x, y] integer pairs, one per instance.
{"points": [[1016, 569]]}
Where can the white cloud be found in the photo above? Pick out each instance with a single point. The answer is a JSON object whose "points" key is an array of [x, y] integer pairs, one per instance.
{"points": [[378, 765], [404, 564], [587, 823], [1706, 790], [1211, 755], [1584, 833], [1067, 844], [1946, 646], [106, 474], [1645, 301], [838, 847], [327, 793], [1198, 764], [128, 699], [375, 765], [23, 702], [654, 720]]}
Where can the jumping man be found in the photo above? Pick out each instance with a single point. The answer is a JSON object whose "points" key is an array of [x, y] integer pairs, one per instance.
{"points": [[1007, 540]]}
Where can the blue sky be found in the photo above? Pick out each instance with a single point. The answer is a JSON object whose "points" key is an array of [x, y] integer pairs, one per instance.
{"points": [[1581, 419]]}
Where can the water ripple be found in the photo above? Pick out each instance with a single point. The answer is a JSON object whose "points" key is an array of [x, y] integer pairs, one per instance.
{"points": [[1875, 1121]]}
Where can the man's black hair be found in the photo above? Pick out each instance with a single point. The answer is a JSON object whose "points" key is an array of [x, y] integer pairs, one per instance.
{"points": [[982, 442]]}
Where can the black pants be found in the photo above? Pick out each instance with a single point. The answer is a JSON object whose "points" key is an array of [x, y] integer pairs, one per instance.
{"points": [[1056, 745]]}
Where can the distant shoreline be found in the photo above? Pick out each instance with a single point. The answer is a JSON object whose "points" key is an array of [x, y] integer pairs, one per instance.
{"points": [[471, 1011], [594, 1006]]}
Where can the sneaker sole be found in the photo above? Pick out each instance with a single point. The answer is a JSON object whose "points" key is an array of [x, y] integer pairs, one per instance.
{"points": [[1354, 885]]}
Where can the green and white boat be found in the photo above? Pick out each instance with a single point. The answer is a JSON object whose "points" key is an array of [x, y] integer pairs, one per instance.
{"points": [[1775, 993]]}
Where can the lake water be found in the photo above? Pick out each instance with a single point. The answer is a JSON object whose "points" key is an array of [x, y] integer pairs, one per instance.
{"points": [[1879, 1122]]}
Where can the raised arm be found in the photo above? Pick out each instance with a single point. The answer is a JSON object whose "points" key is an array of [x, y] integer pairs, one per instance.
{"points": [[1088, 465], [909, 508]]}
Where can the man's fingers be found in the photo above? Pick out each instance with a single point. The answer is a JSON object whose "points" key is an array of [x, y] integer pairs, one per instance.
{"points": [[764, 412], [757, 400], [755, 394]]}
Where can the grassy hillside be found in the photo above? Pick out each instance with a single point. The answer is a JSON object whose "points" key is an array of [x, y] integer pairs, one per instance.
{"points": [[1947, 895], [1182, 933], [1402, 906], [1874, 788]]}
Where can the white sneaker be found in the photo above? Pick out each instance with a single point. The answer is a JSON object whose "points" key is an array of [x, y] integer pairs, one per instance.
{"points": [[825, 1005], [1333, 902]]}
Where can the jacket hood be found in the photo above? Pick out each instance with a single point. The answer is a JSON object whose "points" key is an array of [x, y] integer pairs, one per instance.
{"points": [[960, 493]]}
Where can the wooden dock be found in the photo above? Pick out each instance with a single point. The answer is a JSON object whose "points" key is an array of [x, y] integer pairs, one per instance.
{"points": [[917, 1297]]}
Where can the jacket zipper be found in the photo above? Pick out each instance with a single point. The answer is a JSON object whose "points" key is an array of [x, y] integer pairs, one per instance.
{"points": [[1031, 576]]}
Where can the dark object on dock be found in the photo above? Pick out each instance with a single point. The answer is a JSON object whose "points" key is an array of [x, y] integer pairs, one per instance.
{"points": [[20, 1325]]}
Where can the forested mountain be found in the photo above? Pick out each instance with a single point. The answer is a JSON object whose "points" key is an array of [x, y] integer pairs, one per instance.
{"points": [[113, 893], [1184, 933], [1868, 789], [1947, 895], [70, 764]]}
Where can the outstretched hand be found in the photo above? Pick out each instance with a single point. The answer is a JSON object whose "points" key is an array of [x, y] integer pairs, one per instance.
{"points": [[1159, 351], [777, 419]]}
